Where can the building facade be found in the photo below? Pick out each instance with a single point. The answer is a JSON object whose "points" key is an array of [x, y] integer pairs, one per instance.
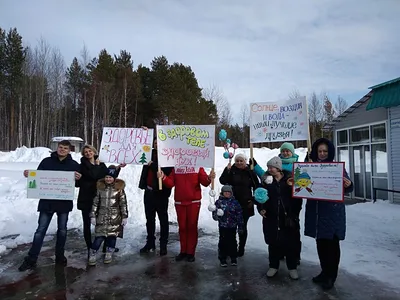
{"points": [[367, 139]]}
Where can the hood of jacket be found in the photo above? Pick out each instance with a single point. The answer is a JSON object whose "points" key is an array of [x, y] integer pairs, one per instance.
{"points": [[331, 150], [118, 184]]}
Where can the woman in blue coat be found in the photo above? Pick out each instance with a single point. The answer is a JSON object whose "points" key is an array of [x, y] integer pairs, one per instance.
{"points": [[326, 221]]}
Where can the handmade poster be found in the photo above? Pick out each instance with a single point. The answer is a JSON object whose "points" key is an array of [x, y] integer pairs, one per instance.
{"points": [[126, 145], [186, 147], [322, 181], [54, 185], [279, 121]]}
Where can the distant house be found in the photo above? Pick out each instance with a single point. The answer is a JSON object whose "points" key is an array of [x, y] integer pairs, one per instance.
{"points": [[367, 139], [76, 142]]}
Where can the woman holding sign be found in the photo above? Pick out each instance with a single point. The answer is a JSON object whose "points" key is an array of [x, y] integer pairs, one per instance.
{"points": [[187, 205], [326, 221]]}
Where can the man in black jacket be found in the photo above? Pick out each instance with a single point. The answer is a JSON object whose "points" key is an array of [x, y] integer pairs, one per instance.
{"points": [[155, 202], [59, 160]]}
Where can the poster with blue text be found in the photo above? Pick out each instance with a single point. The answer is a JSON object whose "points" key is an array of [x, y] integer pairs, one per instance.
{"points": [[279, 121]]}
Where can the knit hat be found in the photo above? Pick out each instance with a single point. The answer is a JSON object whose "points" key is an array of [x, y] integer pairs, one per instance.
{"points": [[241, 156], [275, 162], [226, 188], [261, 195], [112, 171], [288, 146], [304, 175]]}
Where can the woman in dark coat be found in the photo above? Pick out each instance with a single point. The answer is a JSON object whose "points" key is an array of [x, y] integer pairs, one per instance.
{"points": [[243, 181], [281, 217], [92, 170], [326, 221]]}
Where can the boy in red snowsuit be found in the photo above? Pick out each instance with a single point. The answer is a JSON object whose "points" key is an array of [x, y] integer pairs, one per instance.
{"points": [[187, 205]]}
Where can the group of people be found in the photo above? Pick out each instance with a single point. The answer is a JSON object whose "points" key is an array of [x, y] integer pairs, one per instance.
{"points": [[103, 203]]}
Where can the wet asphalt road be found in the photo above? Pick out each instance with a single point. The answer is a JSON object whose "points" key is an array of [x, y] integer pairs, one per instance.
{"points": [[132, 276]]}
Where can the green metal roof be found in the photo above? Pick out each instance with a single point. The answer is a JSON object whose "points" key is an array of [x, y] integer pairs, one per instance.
{"points": [[386, 94]]}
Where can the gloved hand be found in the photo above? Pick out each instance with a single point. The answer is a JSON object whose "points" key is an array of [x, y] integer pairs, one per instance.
{"points": [[124, 222], [93, 221], [220, 212], [212, 207], [252, 161]]}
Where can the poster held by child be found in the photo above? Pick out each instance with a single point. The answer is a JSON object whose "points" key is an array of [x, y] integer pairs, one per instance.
{"points": [[109, 215]]}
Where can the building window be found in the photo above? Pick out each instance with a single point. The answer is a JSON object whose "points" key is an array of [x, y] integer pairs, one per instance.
{"points": [[359, 135], [342, 137], [378, 132], [379, 160]]}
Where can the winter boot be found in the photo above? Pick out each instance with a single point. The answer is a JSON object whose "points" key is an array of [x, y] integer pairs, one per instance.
{"points": [[61, 260], [327, 284], [223, 263], [163, 250], [272, 272], [27, 264], [190, 258], [319, 278], [293, 274], [92, 257], [148, 248], [233, 262], [240, 251], [108, 256], [180, 256]]}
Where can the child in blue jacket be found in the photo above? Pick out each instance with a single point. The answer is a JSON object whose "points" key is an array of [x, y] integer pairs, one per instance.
{"points": [[228, 213]]}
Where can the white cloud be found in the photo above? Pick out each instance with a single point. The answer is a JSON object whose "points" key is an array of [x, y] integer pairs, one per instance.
{"points": [[254, 51]]}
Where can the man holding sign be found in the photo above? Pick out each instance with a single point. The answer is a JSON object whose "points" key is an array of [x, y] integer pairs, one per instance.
{"points": [[59, 160]]}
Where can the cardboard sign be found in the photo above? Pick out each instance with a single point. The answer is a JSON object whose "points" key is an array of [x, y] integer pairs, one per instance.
{"points": [[320, 181], [186, 147], [279, 121], [126, 145], [53, 185]]}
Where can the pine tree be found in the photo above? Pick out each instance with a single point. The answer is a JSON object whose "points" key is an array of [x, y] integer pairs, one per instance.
{"points": [[296, 173], [143, 158]]}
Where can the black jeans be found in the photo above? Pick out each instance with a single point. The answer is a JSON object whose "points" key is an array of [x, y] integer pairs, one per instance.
{"points": [[227, 245], [86, 227], [109, 240], [329, 256], [43, 224], [156, 203], [285, 245]]}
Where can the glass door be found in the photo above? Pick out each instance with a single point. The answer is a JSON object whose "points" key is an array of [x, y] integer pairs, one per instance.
{"points": [[359, 178], [362, 171]]}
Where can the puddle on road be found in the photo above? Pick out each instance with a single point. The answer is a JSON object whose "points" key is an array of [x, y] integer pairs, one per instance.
{"points": [[46, 282]]}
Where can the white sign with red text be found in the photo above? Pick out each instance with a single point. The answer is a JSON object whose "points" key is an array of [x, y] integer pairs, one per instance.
{"points": [[186, 147]]}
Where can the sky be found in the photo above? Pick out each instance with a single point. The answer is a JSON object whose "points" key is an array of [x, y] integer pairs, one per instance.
{"points": [[253, 51]]}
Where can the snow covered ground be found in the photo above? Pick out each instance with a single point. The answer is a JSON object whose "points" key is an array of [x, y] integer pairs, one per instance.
{"points": [[372, 245]]}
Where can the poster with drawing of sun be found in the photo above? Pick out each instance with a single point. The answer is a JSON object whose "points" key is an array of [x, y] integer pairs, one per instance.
{"points": [[319, 181]]}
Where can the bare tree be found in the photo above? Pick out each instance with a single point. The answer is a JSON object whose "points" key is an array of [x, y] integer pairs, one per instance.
{"points": [[315, 115], [214, 94], [340, 106], [85, 60], [42, 54], [295, 94], [56, 86], [245, 117]]}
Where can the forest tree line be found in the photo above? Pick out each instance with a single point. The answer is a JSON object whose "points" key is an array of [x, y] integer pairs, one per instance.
{"points": [[41, 97]]}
